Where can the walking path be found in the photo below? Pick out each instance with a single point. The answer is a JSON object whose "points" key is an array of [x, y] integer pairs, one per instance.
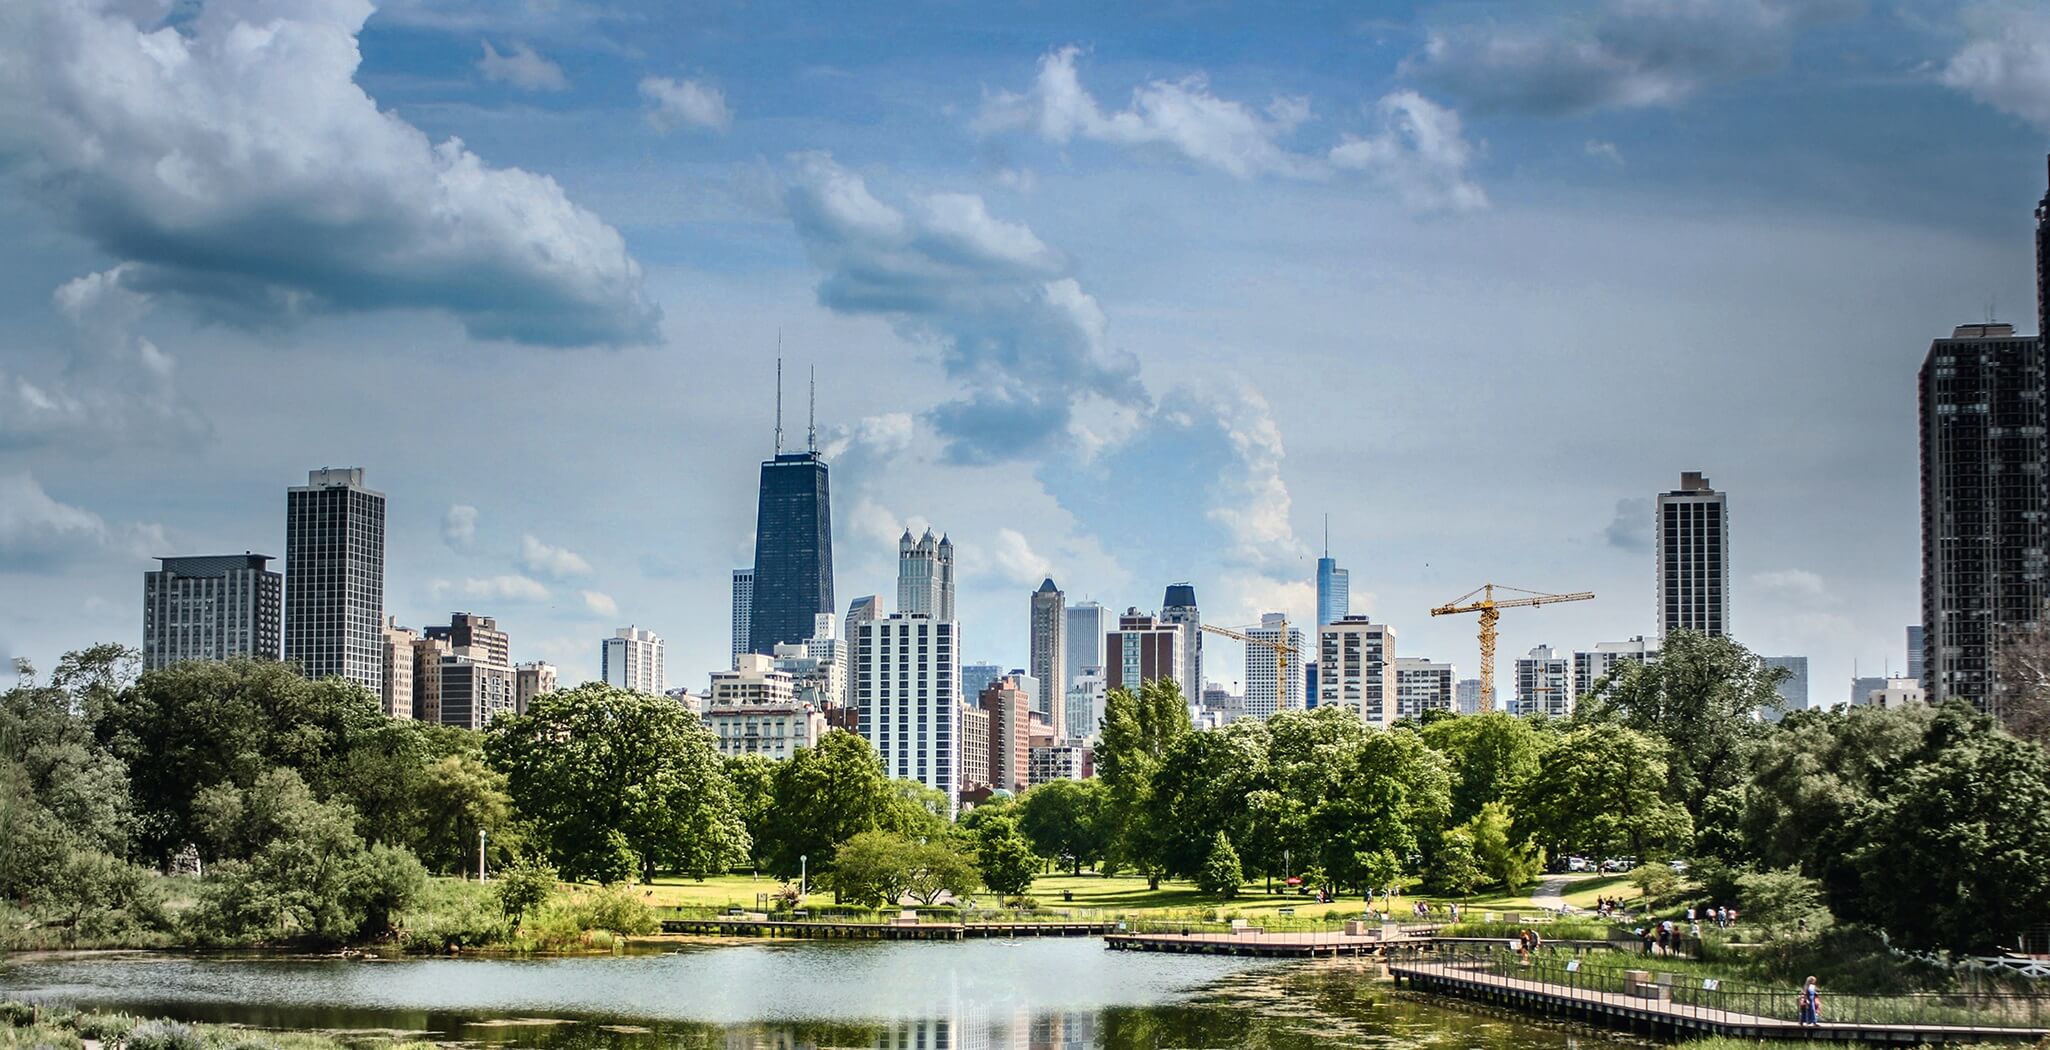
{"points": [[1550, 894]]}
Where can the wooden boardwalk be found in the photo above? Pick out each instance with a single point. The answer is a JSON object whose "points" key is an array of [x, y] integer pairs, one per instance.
{"points": [[1664, 1018], [1269, 945], [876, 931]]}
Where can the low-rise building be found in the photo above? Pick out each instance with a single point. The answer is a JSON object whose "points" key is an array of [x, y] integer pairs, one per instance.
{"points": [[752, 711]]}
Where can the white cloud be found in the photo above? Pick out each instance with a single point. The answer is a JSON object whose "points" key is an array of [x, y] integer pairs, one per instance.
{"points": [[1417, 150], [1015, 558], [1604, 150], [1180, 116], [676, 104], [1798, 586], [601, 603], [1419, 153], [117, 389], [235, 163], [522, 67], [459, 525], [558, 562], [881, 436], [506, 588], [38, 532], [2005, 61]]}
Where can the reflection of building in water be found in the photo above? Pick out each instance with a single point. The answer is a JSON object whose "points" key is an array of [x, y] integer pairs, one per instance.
{"points": [[1064, 1031]]}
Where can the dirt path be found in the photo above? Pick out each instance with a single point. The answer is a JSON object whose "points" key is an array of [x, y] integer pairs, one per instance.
{"points": [[1550, 894]]}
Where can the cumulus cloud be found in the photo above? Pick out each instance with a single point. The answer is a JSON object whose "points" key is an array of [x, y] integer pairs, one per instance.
{"points": [[1604, 150], [234, 163], [676, 104], [2005, 61], [1015, 558], [506, 588], [1798, 586], [522, 67], [116, 388], [601, 604], [459, 525], [1416, 150], [1628, 54], [40, 533], [1010, 323], [557, 562], [1630, 528], [1419, 153]]}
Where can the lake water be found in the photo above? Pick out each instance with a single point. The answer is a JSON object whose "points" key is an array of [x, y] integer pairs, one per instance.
{"points": [[1051, 994]]}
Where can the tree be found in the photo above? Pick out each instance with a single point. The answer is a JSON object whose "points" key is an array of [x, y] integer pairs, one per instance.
{"points": [[295, 867], [1701, 697], [1004, 856], [938, 869], [1064, 821], [386, 880], [618, 784], [93, 894], [1603, 789], [1387, 806], [1458, 871], [1200, 790], [1955, 852], [1491, 755], [751, 779], [1220, 875], [1813, 778], [524, 885], [869, 868], [456, 797], [1780, 899], [823, 796], [1138, 730], [1308, 754], [1507, 859]]}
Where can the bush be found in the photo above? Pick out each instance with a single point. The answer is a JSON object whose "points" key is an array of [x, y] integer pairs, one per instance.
{"points": [[618, 909], [38, 1037], [17, 1014], [103, 1028], [165, 1035], [451, 914]]}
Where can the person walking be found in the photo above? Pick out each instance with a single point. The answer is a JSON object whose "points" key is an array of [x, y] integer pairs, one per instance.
{"points": [[1811, 1004]]}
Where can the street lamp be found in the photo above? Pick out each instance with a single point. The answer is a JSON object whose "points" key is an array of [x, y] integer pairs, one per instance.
{"points": [[803, 876], [480, 854]]}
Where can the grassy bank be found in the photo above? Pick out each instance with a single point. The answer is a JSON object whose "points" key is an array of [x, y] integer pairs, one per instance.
{"points": [[25, 1027]]}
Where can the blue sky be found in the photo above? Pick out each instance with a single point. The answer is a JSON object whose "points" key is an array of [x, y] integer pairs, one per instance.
{"points": [[1129, 297]]}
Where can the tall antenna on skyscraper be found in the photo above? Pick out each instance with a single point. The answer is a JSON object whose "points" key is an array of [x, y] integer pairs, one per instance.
{"points": [[779, 391], [811, 414], [1327, 534]]}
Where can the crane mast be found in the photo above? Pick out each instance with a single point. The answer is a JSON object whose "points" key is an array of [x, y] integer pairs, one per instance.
{"points": [[1490, 611]]}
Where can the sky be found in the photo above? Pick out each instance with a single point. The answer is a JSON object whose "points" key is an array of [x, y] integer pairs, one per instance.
{"points": [[1121, 295]]}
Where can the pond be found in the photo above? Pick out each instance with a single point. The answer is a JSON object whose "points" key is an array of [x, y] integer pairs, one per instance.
{"points": [[1039, 993]]}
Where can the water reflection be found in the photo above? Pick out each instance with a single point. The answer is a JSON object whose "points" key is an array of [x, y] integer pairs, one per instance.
{"points": [[1028, 995]]}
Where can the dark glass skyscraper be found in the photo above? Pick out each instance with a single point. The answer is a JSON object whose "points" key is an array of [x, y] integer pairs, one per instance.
{"points": [[793, 579]]}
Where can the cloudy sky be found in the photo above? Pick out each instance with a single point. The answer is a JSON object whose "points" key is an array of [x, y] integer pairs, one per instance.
{"points": [[1127, 298]]}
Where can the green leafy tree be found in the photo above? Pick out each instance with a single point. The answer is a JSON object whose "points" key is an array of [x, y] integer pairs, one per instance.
{"points": [[385, 881], [939, 868], [523, 886], [295, 865], [92, 894], [1004, 857], [1458, 870], [1701, 697], [1064, 820], [456, 797], [1492, 756], [1603, 789], [1200, 790], [1781, 899], [870, 868], [1138, 730], [618, 784], [1388, 804], [751, 780], [823, 796], [1506, 859], [1220, 875], [1813, 778], [1309, 754], [917, 811]]}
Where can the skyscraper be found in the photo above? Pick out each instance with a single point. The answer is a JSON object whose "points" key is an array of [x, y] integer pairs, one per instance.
{"points": [[1334, 585], [977, 677], [1544, 684], [793, 574], [529, 681], [909, 698], [632, 659], [743, 608], [925, 576], [1915, 652], [1142, 649], [1589, 665], [334, 578], [476, 675], [1985, 509], [1049, 662], [1178, 607], [1088, 623], [1694, 558], [398, 669], [1273, 682], [1466, 696], [1794, 690], [210, 608], [862, 608], [1355, 670], [1423, 685]]}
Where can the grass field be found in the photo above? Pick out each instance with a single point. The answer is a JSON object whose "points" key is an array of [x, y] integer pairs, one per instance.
{"points": [[1129, 895]]}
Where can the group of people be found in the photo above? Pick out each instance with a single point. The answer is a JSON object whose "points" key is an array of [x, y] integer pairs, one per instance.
{"points": [[1662, 938], [1608, 907], [1720, 916], [1527, 944]]}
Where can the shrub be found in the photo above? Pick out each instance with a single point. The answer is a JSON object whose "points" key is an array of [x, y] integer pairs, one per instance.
{"points": [[616, 908], [17, 1014], [165, 1035], [103, 1028], [38, 1037]]}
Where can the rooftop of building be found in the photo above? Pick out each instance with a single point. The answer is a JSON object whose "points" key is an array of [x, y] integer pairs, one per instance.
{"points": [[213, 564]]}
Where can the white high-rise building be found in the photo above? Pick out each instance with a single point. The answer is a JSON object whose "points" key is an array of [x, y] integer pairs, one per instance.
{"points": [[1355, 669], [743, 607], [925, 576], [1084, 709], [909, 698], [1088, 624], [334, 578], [1466, 693], [1424, 685], [632, 659], [1270, 688], [1049, 662], [1589, 665], [210, 608], [1178, 607], [1694, 558], [1544, 684]]}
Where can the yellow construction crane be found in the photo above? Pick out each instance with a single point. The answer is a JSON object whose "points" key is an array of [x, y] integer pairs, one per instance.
{"points": [[1280, 645], [1491, 610]]}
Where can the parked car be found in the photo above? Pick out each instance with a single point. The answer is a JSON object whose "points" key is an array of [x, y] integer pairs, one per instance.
{"points": [[1578, 864], [1679, 867]]}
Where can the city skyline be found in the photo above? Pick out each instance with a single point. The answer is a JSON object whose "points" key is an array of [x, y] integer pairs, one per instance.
{"points": [[1199, 279]]}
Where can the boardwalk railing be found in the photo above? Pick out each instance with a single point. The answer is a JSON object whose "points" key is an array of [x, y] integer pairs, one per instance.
{"points": [[1731, 1002]]}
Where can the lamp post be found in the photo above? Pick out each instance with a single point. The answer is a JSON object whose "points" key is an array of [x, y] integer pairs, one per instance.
{"points": [[803, 876], [481, 835]]}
